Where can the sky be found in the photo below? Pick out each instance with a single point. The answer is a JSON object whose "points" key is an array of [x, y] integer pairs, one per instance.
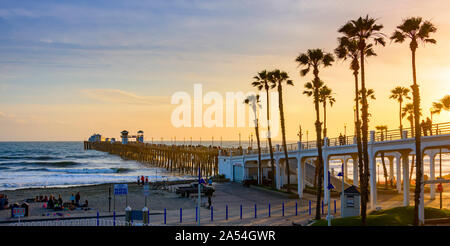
{"points": [[69, 69]]}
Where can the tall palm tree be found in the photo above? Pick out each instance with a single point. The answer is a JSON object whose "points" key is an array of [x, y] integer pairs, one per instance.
{"points": [[350, 50], [383, 129], [262, 83], [310, 87], [325, 94], [255, 103], [277, 78], [408, 110], [314, 59], [417, 31], [364, 31], [399, 93]]}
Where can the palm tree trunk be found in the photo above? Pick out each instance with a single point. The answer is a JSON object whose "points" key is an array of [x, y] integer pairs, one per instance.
{"points": [[319, 162], [260, 180], [400, 117], [324, 119], [384, 170], [365, 133], [283, 134], [358, 131], [416, 103], [269, 138]]}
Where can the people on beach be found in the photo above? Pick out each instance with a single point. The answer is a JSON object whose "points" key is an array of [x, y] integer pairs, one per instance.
{"points": [[51, 202], [72, 199], [138, 180], [77, 199], [142, 180], [60, 200]]}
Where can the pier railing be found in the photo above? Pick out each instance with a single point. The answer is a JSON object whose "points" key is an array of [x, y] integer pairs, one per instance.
{"points": [[386, 135]]}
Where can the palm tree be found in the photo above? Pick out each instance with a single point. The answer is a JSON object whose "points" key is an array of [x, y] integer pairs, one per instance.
{"points": [[364, 31], [324, 96], [417, 31], [316, 58], [262, 83], [382, 130], [255, 103], [309, 91], [277, 78], [399, 93], [408, 109], [350, 50]]}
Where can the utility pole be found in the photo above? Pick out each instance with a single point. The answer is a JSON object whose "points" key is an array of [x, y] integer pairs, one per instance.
{"points": [[251, 142]]}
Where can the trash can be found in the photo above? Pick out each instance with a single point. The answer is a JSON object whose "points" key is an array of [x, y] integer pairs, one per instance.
{"points": [[128, 214], [145, 216]]}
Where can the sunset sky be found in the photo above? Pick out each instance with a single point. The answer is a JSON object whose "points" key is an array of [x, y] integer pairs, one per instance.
{"points": [[72, 68]]}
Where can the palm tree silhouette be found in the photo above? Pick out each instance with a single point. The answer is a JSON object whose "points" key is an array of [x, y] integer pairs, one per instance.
{"points": [[400, 93], [314, 59], [349, 49], [254, 102], [262, 83], [417, 31], [325, 94], [277, 78], [363, 31]]}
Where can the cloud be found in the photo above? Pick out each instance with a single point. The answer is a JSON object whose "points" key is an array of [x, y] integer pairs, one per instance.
{"points": [[124, 97]]}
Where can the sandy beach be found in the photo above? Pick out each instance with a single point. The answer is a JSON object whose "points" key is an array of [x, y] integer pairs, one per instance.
{"points": [[98, 197]]}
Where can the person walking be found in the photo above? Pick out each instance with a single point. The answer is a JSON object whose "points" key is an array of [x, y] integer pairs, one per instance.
{"points": [[138, 180], [142, 179], [424, 127], [209, 195], [72, 199], [429, 126], [146, 180]]}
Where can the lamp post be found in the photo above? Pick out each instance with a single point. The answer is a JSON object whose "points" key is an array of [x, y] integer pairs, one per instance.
{"points": [[300, 134]]}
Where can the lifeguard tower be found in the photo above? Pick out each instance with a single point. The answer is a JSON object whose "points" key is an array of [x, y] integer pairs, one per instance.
{"points": [[124, 136]]}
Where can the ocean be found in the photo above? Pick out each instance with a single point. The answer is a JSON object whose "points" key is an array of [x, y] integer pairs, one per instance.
{"points": [[63, 164]]}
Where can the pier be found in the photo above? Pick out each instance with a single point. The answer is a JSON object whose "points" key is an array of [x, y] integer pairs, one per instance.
{"points": [[390, 144], [184, 159]]}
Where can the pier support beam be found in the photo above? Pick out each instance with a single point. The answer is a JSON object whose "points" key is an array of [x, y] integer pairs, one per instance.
{"points": [[399, 174], [432, 176], [355, 170], [373, 180], [405, 166]]}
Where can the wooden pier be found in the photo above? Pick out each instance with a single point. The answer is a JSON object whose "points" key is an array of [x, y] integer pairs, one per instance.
{"points": [[175, 158]]}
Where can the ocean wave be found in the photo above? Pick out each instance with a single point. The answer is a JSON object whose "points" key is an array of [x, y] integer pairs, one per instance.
{"points": [[90, 170], [39, 158], [55, 164], [82, 156]]}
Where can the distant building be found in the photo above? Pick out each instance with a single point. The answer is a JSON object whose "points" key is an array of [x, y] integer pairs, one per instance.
{"points": [[95, 138], [124, 136], [140, 136]]}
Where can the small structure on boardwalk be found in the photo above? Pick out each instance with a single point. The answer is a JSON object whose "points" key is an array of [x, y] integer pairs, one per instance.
{"points": [[351, 202], [124, 136]]}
